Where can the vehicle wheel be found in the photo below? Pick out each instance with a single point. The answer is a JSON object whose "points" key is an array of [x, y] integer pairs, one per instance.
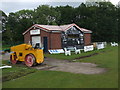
{"points": [[30, 60], [13, 60]]}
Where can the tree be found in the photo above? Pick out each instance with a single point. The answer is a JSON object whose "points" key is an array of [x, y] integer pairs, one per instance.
{"points": [[24, 20], [118, 21], [67, 14], [16, 24], [106, 18], [46, 15]]}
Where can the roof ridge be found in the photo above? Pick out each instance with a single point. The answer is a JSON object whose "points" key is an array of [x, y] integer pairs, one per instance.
{"points": [[61, 28], [56, 27]]}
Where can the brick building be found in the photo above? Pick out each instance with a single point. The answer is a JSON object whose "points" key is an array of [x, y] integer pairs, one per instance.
{"points": [[57, 37]]}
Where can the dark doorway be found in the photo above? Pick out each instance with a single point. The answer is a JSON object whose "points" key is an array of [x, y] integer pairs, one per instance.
{"points": [[45, 44]]}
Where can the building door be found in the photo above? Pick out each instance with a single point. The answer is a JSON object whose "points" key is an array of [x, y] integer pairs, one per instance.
{"points": [[36, 39], [45, 44]]}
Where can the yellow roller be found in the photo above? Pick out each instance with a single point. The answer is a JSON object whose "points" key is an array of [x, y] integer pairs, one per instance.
{"points": [[26, 53]]}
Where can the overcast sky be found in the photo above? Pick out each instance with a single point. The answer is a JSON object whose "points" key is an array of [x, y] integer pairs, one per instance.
{"points": [[15, 5]]}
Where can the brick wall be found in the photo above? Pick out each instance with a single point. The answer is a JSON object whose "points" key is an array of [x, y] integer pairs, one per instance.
{"points": [[87, 38], [27, 37], [56, 41]]}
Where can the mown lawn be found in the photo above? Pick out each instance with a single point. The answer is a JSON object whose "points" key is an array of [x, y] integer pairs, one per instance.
{"points": [[74, 56], [16, 71], [56, 79]]}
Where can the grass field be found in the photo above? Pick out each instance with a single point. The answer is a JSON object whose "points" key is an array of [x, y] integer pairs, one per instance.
{"points": [[107, 58], [16, 72]]}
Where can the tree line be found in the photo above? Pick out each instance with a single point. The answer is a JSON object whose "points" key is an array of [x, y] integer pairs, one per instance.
{"points": [[103, 18]]}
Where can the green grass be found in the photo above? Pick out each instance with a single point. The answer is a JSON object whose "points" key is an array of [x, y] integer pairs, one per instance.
{"points": [[58, 79], [74, 56], [16, 71]]}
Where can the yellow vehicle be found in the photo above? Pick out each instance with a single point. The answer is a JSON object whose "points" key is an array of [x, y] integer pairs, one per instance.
{"points": [[26, 53]]}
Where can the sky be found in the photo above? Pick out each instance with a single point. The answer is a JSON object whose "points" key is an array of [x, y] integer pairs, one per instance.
{"points": [[15, 5]]}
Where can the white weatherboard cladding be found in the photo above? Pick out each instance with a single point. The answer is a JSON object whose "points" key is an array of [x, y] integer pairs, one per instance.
{"points": [[34, 32], [36, 39]]}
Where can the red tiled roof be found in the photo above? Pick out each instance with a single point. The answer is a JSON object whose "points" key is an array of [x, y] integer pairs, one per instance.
{"points": [[65, 27], [49, 27], [58, 28]]}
